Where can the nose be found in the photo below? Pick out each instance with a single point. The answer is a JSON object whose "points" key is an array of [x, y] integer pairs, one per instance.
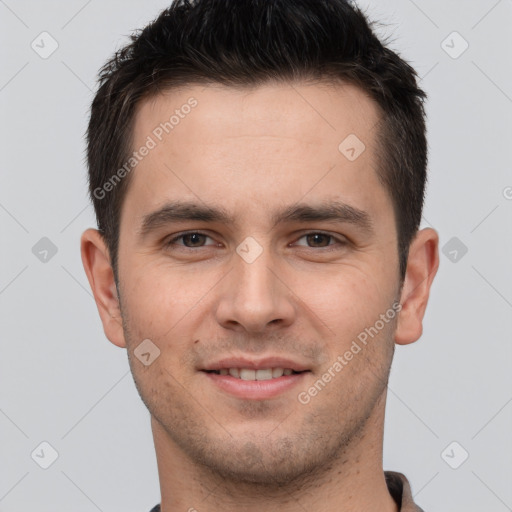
{"points": [[255, 296]]}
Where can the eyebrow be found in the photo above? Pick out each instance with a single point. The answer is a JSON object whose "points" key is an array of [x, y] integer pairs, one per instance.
{"points": [[177, 211]]}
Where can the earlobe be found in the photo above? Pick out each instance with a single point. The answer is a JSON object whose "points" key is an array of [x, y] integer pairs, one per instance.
{"points": [[422, 265], [96, 261]]}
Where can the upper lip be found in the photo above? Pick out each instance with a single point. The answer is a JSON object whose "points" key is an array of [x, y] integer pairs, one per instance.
{"points": [[256, 364]]}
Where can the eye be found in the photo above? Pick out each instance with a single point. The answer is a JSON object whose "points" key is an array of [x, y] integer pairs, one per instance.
{"points": [[313, 240], [190, 240], [320, 240]]}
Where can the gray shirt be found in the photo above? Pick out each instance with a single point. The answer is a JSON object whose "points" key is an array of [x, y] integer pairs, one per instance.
{"points": [[400, 490]]}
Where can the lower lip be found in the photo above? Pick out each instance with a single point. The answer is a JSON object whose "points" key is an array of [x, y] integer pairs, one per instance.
{"points": [[255, 389]]}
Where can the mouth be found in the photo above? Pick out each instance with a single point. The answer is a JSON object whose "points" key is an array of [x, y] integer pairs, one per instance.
{"points": [[252, 374], [255, 380]]}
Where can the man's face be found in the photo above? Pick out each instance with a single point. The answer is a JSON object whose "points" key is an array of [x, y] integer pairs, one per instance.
{"points": [[264, 290]]}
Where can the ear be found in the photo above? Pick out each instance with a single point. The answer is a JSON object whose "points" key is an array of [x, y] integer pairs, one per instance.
{"points": [[96, 261], [422, 265]]}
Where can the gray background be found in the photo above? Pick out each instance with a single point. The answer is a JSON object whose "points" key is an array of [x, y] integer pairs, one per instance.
{"points": [[64, 383]]}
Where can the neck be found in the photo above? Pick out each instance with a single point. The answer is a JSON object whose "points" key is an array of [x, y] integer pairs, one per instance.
{"points": [[352, 481]]}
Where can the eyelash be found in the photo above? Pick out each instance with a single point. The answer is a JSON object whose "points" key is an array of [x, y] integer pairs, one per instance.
{"points": [[328, 248]]}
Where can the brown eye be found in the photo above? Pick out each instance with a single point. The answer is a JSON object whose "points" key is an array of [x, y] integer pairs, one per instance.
{"points": [[189, 240], [194, 239], [319, 240]]}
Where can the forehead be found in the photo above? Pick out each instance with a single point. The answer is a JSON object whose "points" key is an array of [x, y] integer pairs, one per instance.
{"points": [[311, 112], [268, 141]]}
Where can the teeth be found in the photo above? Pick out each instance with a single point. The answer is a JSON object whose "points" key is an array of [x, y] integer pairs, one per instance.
{"points": [[250, 374], [277, 372], [264, 374], [246, 374]]}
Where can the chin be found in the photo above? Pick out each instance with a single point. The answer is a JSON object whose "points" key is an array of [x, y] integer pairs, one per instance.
{"points": [[270, 463]]}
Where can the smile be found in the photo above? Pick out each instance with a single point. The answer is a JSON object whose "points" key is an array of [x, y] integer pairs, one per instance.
{"points": [[251, 384], [251, 374]]}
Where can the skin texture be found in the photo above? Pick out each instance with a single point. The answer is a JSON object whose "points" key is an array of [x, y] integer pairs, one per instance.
{"points": [[254, 152]]}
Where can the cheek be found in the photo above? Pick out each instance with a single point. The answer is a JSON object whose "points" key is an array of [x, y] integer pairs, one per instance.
{"points": [[344, 304], [355, 292], [158, 298]]}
